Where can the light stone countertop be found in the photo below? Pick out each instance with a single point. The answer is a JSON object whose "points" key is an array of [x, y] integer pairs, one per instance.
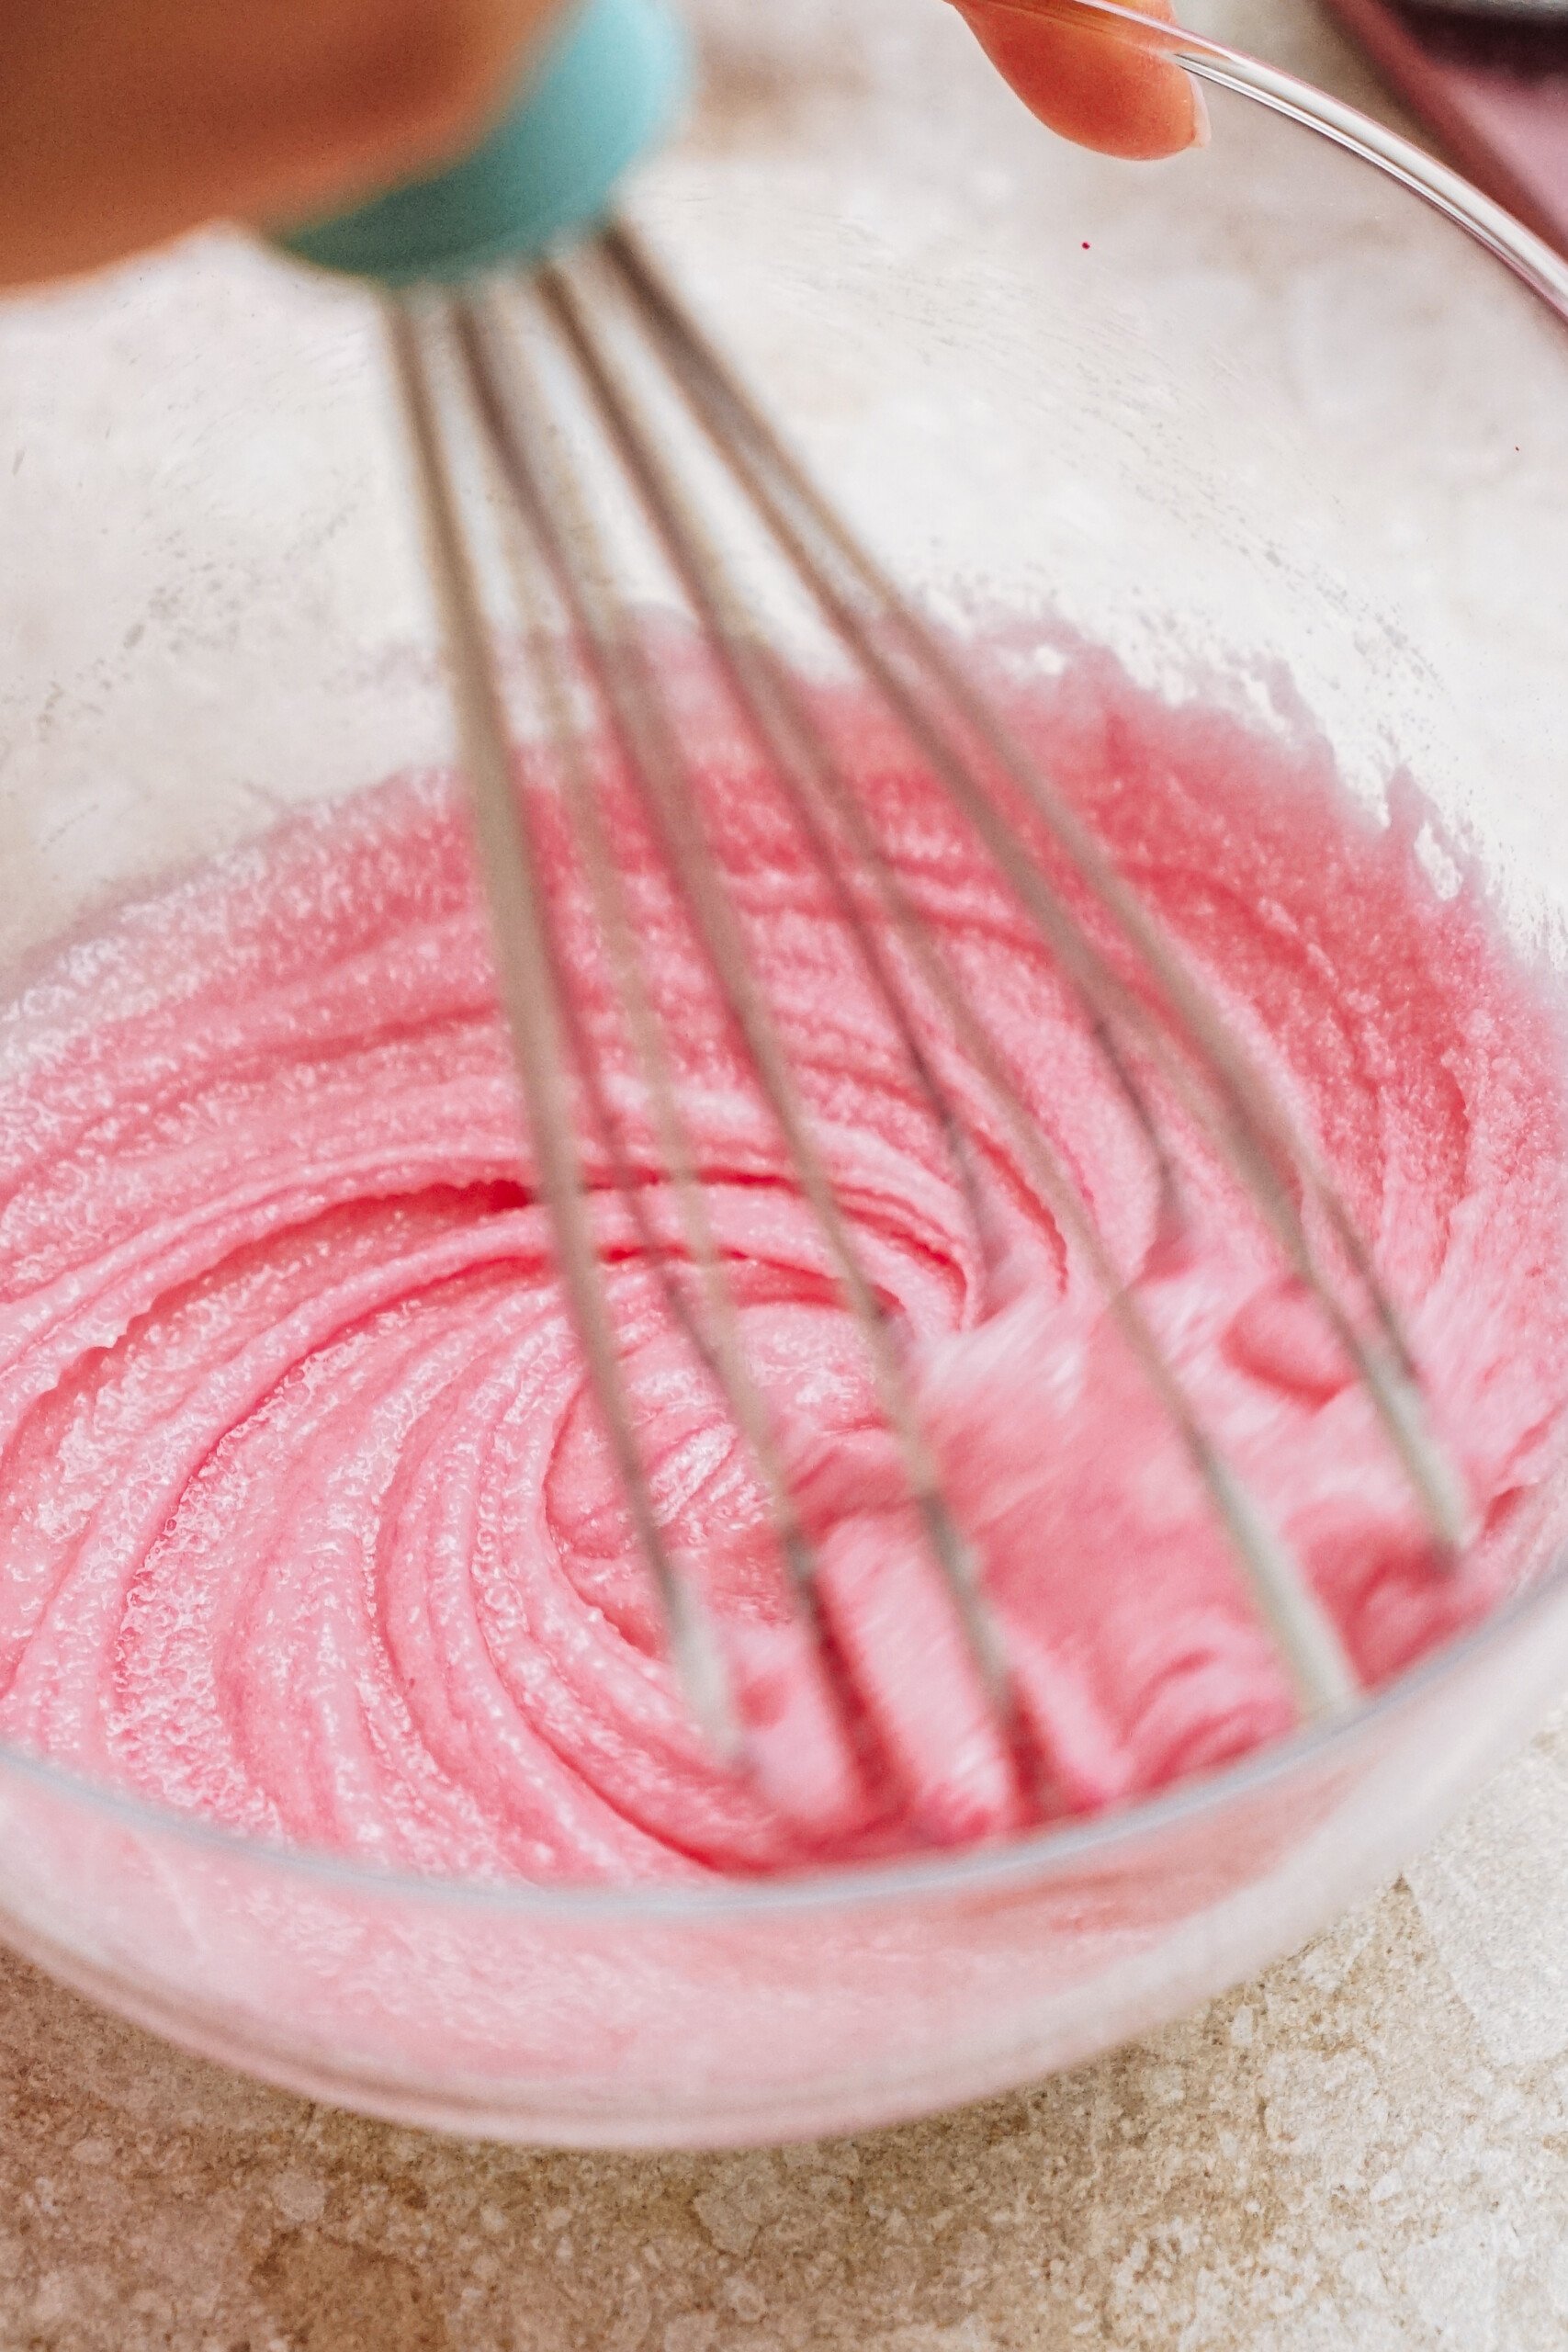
{"points": [[1367, 2151]]}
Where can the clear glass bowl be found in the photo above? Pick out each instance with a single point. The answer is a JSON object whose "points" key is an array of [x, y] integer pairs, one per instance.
{"points": [[1296, 403]]}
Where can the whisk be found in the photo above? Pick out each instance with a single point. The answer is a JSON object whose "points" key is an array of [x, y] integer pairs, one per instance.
{"points": [[577, 356]]}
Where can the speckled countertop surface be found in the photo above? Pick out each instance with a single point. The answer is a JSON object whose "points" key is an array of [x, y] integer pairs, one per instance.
{"points": [[1338, 2160], [1365, 2152]]}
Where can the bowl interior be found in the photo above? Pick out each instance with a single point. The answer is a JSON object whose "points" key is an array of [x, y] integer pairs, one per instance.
{"points": [[1265, 422]]}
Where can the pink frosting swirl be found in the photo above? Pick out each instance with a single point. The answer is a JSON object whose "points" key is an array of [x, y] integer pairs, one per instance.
{"points": [[307, 1525]]}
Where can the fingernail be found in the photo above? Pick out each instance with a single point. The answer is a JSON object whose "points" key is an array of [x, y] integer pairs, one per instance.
{"points": [[1202, 122]]}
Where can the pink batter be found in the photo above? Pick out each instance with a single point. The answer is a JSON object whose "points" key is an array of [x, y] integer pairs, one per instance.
{"points": [[307, 1526]]}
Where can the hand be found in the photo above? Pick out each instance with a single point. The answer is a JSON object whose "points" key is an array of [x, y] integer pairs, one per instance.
{"points": [[123, 122], [1093, 86]]}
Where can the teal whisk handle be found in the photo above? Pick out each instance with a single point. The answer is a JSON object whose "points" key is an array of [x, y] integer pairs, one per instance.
{"points": [[609, 89]]}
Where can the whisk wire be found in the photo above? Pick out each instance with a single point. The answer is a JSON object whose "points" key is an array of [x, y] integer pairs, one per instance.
{"points": [[1318, 1667], [1253, 1127], [661, 770], [531, 999], [515, 419], [1144, 1012]]}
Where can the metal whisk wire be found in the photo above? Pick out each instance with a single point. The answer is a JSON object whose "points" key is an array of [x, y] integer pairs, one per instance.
{"points": [[1160, 1017]]}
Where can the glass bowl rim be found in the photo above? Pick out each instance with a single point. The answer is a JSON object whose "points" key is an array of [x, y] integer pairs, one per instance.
{"points": [[1051, 1852]]}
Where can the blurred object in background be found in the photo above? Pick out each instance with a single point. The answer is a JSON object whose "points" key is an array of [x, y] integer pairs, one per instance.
{"points": [[1489, 78]]}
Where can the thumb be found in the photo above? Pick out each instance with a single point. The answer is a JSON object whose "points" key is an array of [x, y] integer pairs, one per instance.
{"points": [[124, 122], [1095, 83]]}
